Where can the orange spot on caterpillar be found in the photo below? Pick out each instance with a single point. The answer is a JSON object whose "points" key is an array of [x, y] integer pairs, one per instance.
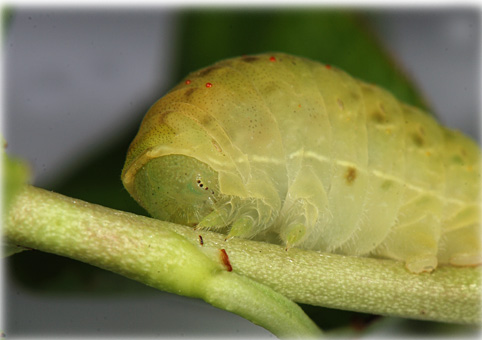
{"points": [[328, 66], [272, 58], [201, 242], [209, 85], [225, 259], [188, 82]]}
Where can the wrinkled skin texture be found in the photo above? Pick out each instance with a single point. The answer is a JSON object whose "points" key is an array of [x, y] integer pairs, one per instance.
{"points": [[287, 150]]}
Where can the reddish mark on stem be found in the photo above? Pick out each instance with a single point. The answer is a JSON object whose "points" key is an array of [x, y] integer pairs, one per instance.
{"points": [[272, 59], [188, 81], [225, 259], [209, 85]]}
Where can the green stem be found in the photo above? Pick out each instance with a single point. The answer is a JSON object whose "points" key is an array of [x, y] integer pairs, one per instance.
{"points": [[80, 230], [142, 249]]}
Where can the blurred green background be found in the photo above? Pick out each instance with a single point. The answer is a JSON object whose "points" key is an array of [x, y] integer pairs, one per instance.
{"points": [[338, 37]]}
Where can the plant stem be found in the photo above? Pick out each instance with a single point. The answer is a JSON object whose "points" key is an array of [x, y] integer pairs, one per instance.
{"points": [[142, 249], [138, 247]]}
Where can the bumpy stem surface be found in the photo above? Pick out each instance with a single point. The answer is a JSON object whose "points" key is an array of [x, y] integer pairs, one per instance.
{"points": [[147, 251], [170, 257]]}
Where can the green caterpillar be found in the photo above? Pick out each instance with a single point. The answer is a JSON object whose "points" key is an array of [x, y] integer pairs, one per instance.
{"points": [[287, 150]]}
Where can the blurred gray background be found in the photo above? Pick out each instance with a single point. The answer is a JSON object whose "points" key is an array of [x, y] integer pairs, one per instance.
{"points": [[73, 79]]}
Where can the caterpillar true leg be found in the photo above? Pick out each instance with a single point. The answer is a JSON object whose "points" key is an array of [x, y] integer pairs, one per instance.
{"points": [[244, 217]]}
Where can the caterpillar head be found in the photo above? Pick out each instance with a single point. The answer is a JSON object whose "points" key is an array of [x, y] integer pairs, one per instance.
{"points": [[176, 188], [166, 169]]}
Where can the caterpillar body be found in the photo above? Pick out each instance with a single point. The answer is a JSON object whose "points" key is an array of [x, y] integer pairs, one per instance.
{"points": [[287, 150]]}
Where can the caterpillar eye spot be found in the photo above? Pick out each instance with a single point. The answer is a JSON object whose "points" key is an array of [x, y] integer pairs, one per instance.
{"points": [[188, 81], [209, 85]]}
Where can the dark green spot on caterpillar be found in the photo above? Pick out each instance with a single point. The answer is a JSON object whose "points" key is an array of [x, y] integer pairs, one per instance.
{"points": [[190, 91], [417, 139], [386, 184], [378, 117], [207, 71], [457, 160]]}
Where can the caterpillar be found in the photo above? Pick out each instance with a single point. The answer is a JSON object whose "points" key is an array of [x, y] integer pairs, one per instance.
{"points": [[282, 149]]}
